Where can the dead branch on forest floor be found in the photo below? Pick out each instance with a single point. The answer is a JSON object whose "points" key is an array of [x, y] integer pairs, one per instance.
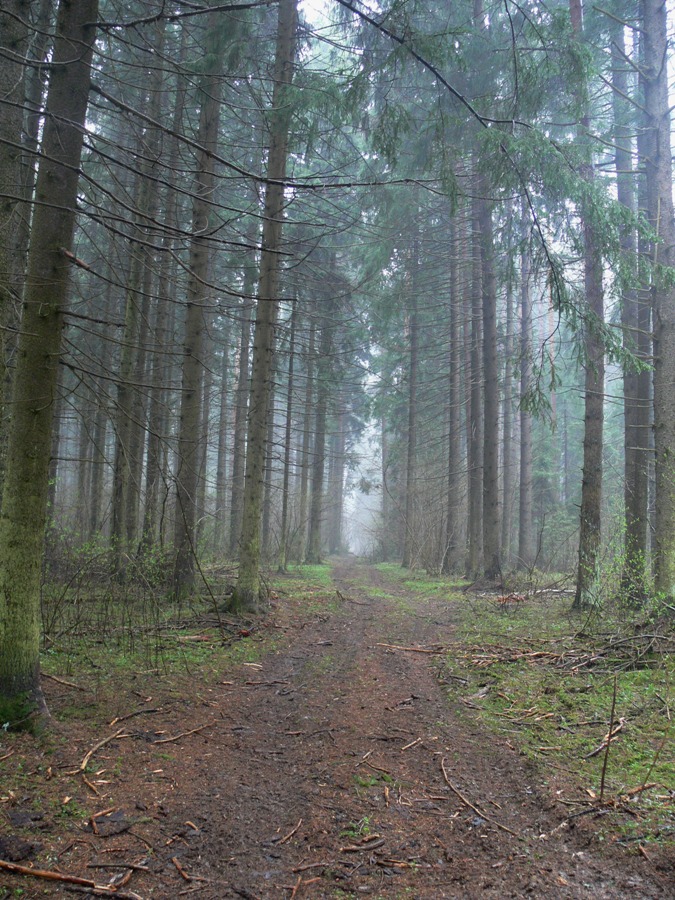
{"points": [[436, 650], [63, 681], [183, 734], [87, 885], [470, 805], [111, 737]]}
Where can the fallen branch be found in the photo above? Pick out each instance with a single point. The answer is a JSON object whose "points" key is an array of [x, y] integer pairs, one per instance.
{"points": [[437, 651], [316, 865], [91, 786], [63, 681], [608, 738], [135, 867], [96, 747], [290, 833], [181, 870], [139, 712], [358, 848], [49, 875], [184, 734], [468, 803], [102, 890]]}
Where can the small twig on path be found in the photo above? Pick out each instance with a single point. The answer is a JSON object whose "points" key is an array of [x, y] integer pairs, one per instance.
{"points": [[181, 870], [7, 755], [92, 787], [372, 844], [184, 734], [131, 715], [608, 738], [437, 651], [290, 833], [349, 599], [471, 806], [63, 681], [315, 865], [411, 744], [135, 867], [96, 747], [102, 890], [100, 815]]}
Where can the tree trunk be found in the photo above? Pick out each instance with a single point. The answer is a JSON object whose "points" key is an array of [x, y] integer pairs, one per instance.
{"points": [[475, 440], [452, 541], [594, 353], [324, 371], [187, 466], [240, 415], [336, 482], [162, 330], [409, 538], [14, 17], [508, 464], [491, 519], [305, 457], [659, 178], [526, 541], [248, 595], [286, 486], [268, 476], [635, 458], [25, 491], [220, 518]]}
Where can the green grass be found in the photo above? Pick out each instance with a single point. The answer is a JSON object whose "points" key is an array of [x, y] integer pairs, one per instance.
{"points": [[545, 680]]}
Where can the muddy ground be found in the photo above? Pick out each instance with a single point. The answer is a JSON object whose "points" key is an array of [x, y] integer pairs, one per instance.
{"points": [[337, 766]]}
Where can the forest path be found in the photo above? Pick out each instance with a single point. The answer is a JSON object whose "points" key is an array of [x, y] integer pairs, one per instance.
{"points": [[328, 779], [319, 771]]}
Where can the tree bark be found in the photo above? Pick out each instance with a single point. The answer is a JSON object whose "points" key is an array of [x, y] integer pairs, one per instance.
{"points": [[526, 541], [635, 451], [409, 535], [187, 467], [594, 387], [240, 415], [25, 491], [248, 595], [286, 486], [508, 460], [659, 179], [317, 498], [491, 520], [452, 540], [475, 439], [305, 453]]}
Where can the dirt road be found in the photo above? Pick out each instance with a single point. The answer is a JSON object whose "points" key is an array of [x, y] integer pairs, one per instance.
{"points": [[338, 766], [333, 777]]}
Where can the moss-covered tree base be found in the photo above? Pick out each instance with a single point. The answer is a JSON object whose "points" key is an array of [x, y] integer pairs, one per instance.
{"points": [[23, 712], [245, 601]]}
